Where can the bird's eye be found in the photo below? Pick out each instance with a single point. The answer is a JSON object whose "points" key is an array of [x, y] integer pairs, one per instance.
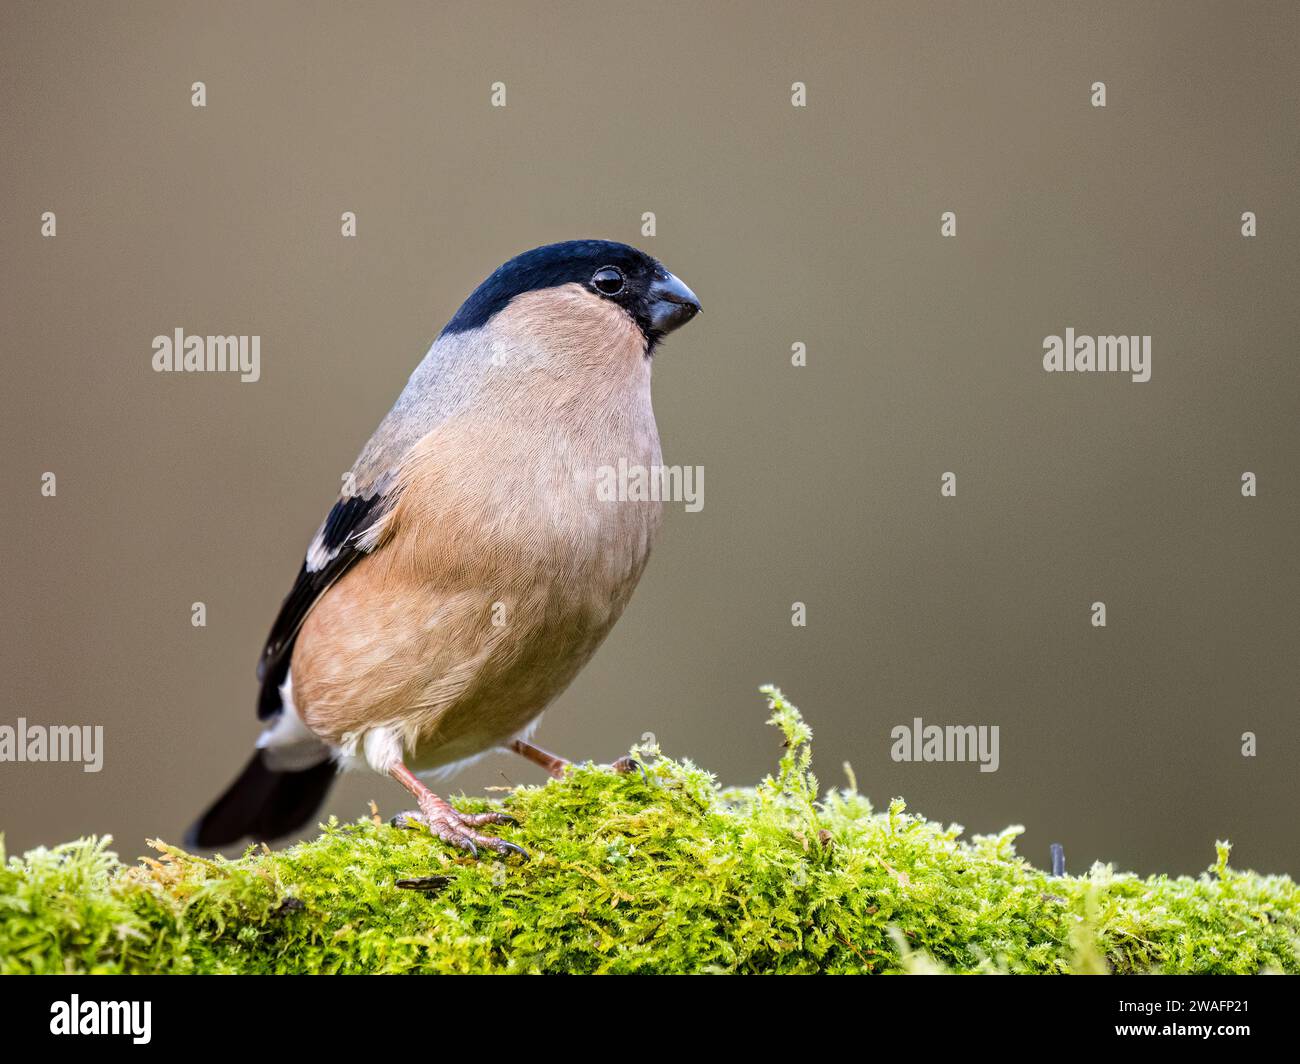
{"points": [[608, 279]]}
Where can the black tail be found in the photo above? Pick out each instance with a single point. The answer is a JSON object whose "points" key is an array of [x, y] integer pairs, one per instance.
{"points": [[262, 805]]}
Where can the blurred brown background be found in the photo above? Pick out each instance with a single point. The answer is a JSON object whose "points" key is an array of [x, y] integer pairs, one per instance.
{"points": [[818, 225]]}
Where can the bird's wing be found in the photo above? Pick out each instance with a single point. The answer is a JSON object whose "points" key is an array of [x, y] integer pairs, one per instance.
{"points": [[357, 525], [353, 529]]}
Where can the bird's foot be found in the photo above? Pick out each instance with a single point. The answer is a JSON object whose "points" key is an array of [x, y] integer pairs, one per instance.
{"points": [[457, 828], [627, 763], [451, 825]]}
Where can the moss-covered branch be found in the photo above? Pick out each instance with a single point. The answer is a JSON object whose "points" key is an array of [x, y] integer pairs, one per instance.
{"points": [[662, 874]]}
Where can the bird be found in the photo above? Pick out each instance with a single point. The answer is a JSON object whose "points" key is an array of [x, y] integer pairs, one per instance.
{"points": [[468, 569]]}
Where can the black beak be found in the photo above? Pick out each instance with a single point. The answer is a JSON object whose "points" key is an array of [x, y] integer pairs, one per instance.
{"points": [[672, 304]]}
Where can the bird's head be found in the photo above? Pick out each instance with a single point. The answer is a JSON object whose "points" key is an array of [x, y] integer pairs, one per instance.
{"points": [[593, 275]]}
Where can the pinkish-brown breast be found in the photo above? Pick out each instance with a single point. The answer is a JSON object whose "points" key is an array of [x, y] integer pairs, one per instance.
{"points": [[499, 570]]}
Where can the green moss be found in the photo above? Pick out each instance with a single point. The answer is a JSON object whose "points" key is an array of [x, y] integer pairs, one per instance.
{"points": [[663, 874]]}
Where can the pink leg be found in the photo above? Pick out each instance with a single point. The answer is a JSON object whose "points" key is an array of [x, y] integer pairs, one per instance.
{"points": [[556, 765]]}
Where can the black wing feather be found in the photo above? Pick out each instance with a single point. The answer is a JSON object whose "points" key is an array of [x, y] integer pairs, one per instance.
{"points": [[346, 521]]}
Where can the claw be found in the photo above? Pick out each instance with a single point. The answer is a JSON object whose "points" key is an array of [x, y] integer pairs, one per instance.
{"points": [[473, 842], [627, 763]]}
